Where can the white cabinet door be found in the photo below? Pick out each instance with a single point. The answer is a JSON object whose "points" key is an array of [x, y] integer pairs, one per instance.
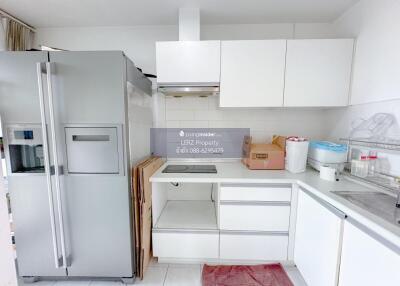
{"points": [[318, 72], [188, 62], [366, 260], [252, 73], [318, 237], [185, 244], [253, 246], [254, 216], [254, 192]]}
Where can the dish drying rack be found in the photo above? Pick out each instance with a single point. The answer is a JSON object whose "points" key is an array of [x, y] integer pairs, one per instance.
{"points": [[382, 180]]}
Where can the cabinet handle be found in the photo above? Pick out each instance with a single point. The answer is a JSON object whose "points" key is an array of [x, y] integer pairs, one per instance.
{"points": [[173, 230], [254, 203], [255, 232], [328, 206], [374, 235]]}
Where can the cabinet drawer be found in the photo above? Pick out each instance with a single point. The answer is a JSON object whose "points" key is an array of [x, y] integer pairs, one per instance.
{"points": [[274, 193], [256, 217], [253, 246], [185, 244]]}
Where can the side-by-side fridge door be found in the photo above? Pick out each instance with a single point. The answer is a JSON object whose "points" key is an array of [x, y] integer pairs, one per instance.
{"points": [[90, 89], [28, 145]]}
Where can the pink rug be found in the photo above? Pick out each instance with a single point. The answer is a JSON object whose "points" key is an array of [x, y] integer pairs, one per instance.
{"points": [[239, 275]]}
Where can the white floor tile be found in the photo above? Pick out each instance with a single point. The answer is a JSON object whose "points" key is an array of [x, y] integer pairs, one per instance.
{"points": [[154, 263], [72, 283], [154, 276], [106, 283], [295, 276], [39, 283], [179, 265], [183, 276]]}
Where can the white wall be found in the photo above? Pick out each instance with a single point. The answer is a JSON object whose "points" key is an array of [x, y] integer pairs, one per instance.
{"points": [[376, 68], [376, 71], [138, 42], [376, 24]]}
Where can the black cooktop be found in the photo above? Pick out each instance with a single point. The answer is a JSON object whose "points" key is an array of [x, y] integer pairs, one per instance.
{"points": [[194, 169]]}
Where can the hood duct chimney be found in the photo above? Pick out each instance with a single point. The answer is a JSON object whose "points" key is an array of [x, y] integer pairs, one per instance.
{"points": [[189, 24]]}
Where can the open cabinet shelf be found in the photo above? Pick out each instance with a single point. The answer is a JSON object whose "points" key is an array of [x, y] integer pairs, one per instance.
{"points": [[198, 215]]}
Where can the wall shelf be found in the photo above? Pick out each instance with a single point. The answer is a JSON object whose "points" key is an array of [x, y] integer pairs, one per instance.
{"points": [[393, 145], [382, 180]]}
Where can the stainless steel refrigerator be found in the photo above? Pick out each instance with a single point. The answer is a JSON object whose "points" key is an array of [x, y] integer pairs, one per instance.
{"points": [[74, 122]]}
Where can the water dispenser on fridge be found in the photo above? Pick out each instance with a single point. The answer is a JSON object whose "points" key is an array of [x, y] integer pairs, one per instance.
{"points": [[25, 146]]}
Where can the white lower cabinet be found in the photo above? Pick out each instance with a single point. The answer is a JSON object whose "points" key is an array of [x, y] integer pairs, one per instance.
{"points": [[253, 246], [319, 229], [252, 193], [254, 216], [367, 260], [185, 244]]}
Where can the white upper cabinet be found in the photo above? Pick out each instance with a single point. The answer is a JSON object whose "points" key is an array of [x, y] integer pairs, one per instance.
{"points": [[318, 72], [188, 62], [367, 259], [318, 239], [252, 73]]}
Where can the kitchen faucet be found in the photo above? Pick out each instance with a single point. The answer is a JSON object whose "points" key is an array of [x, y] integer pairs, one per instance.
{"points": [[398, 199], [398, 193]]}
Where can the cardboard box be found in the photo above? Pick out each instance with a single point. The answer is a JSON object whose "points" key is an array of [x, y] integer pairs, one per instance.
{"points": [[263, 156], [142, 198]]}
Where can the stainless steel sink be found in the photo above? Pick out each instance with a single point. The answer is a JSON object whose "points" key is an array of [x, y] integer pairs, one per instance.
{"points": [[378, 203]]}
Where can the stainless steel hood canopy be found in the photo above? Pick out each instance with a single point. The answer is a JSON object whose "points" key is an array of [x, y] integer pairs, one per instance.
{"points": [[187, 90]]}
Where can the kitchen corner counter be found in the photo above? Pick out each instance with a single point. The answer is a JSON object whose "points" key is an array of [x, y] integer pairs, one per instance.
{"points": [[236, 172]]}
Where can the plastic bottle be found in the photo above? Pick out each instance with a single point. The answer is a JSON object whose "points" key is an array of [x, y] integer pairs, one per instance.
{"points": [[360, 166], [372, 157], [364, 166]]}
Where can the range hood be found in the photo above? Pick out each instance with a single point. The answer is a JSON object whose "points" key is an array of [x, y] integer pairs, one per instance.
{"points": [[187, 90], [188, 67]]}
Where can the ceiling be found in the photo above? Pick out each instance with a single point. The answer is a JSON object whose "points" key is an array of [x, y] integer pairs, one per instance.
{"points": [[69, 13]]}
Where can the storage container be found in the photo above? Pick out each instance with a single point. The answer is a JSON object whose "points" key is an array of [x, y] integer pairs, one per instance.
{"points": [[327, 152], [296, 156]]}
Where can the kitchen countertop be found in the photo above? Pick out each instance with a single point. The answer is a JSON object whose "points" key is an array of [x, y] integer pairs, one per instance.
{"points": [[236, 172]]}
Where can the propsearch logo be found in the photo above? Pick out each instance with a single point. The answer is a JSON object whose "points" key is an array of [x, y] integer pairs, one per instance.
{"points": [[181, 133]]}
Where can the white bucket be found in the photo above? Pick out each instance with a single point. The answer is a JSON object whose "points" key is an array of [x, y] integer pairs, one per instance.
{"points": [[296, 156]]}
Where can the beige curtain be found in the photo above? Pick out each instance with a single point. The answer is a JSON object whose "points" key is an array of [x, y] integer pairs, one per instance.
{"points": [[18, 37]]}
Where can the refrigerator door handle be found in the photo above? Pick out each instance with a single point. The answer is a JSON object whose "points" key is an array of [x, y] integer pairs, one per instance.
{"points": [[47, 165], [56, 164]]}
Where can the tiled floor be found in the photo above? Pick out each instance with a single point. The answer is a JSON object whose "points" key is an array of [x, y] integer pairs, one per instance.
{"points": [[165, 275]]}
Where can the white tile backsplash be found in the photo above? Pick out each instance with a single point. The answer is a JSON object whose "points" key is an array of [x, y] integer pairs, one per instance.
{"points": [[313, 123], [341, 120], [176, 114], [199, 112]]}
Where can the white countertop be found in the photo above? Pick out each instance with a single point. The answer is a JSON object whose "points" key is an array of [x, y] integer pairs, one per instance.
{"points": [[236, 172]]}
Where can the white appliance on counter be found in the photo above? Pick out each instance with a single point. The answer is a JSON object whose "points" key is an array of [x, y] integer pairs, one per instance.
{"points": [[71, 131], [327, 154]]}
